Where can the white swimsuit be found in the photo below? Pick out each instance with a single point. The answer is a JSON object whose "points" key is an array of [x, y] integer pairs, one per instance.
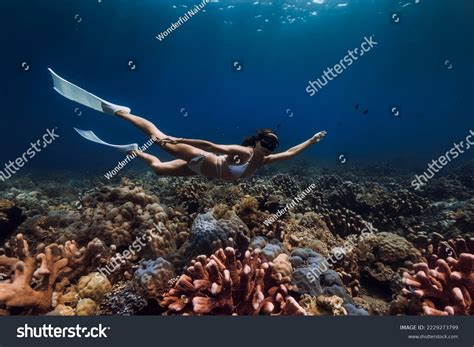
{"points": [[236, 171]]}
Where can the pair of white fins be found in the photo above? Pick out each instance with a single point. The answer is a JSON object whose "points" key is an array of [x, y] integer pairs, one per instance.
{"points": [[72, 92]]}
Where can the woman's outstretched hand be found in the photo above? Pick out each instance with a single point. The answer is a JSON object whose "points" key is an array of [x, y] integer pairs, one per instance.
{"points": [[171, 140], [317, 137]]}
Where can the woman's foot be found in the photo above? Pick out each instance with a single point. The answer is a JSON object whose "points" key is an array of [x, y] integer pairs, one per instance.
{"points": [[112, 109], [128, 148]]}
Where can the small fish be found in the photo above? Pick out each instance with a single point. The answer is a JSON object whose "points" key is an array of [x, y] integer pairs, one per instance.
{"points": [[357, 107], [366, 111]]}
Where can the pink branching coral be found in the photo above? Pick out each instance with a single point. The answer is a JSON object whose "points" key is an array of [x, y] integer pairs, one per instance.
{"points": [[222, 284], [447, 289], [441, 249], [32, 278]]}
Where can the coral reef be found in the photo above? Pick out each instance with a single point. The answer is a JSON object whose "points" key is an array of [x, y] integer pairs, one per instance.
{"points": [[172, 245], [117, 215]]}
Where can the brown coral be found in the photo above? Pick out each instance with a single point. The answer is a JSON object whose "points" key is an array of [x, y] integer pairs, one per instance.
{"points": [[193, 195], [310, 232], [343, 221], [33, 278], [120, 214], [93, 255], [437, 247], [222, 284], [248, 210], [323, 305], [381, 255], [160, 241], [93, 286]]}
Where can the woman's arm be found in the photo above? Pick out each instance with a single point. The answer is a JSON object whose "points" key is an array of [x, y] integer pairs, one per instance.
{"points": [[212, 147], [294, 151]]}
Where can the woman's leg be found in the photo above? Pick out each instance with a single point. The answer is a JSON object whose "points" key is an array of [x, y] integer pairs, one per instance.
{"points": [[149, 159], [179, 150], [176, 167]]}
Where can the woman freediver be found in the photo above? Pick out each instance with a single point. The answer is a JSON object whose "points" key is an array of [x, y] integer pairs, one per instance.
{"points": [[193, 157]]}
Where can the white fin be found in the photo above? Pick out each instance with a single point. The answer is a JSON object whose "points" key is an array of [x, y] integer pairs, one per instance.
{"points": [[72, 92], [89, 135]]}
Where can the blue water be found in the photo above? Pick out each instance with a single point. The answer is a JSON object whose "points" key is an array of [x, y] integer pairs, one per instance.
{"points": [[422, 65]]}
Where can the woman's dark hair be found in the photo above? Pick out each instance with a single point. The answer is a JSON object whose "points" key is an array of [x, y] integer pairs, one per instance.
{"points": [[251, 141]]}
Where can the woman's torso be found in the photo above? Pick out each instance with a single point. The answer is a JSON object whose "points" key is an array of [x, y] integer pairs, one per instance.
{"points": [[231, 167]]}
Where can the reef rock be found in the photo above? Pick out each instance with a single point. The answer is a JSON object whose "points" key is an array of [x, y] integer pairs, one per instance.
{"points": [[10, 218], [269, 249], [52, 226], [313, 277], [153, 276], [213, 230], [123, 299]]}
